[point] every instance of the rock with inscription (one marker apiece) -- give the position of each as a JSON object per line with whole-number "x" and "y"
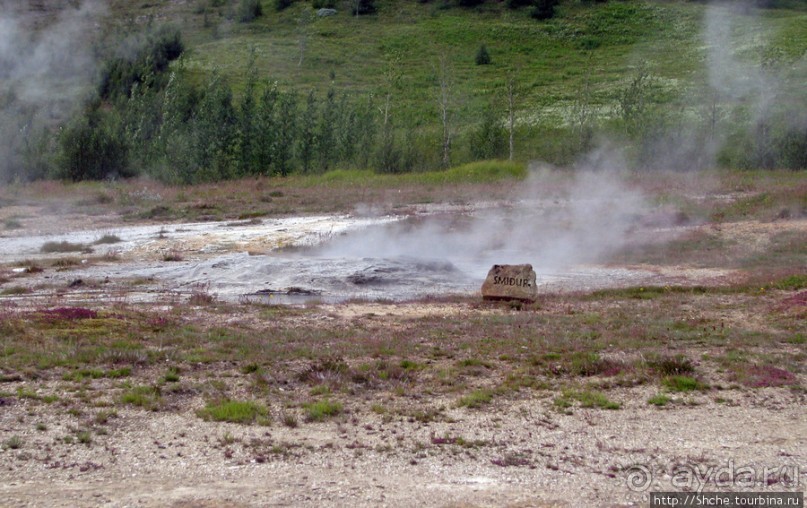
{"x": 510, "y": 282}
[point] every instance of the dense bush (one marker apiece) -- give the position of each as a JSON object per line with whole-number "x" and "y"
{"x": 362, "y": 7}
{"x": 151, "y": 57}
{"x": 488, "y": 140}
{"x": 282, "y": 4}
{"x": 93, "y": 149}
{"x": 482, "y": 56}
{"x": 249, "y": 10}
{"x": 543, "y": 9}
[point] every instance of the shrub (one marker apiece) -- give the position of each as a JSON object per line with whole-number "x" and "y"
{"x": 482, "y": 56}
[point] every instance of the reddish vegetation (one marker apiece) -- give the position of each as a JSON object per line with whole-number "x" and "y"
{"x": 762, "y": 376}
{"x": 796, "y": 300}
{"x": 68, "y": 314}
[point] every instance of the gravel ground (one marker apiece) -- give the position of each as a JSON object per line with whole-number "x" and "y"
{"x": 518, "y": 453}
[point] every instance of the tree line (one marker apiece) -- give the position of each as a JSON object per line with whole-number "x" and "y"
{"x": 147, "y": 116}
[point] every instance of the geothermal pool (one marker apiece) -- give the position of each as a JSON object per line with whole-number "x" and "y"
{"x": 332, "y": 258}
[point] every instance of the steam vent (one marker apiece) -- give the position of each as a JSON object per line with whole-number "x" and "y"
{"x": 510, "y": 282}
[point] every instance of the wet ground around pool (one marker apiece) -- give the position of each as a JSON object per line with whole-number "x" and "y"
{"x": 437, "y": 252}
{"x": 333, "y": 258}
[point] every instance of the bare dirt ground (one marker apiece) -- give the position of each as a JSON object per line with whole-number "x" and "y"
{"x": 443, "y": 400}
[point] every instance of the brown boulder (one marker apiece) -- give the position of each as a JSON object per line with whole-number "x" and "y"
{"x": 510, "y": 282}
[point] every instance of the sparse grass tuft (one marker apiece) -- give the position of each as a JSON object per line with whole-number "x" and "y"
{"x": 319, "y": 390}
{"x": 797, "y": 339}
{"x": 13, "y": 443}
{"x": 590, "y": 364}
{"x": 84, "y": 437}
{"x": 15, "y": 290}
{"x": 12, "y": 223}
{"x": 791, "y": 283}
{"x": 321, "y": 410}
{"x": 81, "y": 374}
{"x": 64, "y": 246}
{"x": 62, "y": 264}
{"x": 513, "y": 459}
{"x": 586, "y": 398}
{"x": 332, "y": 370}
{"x": 683, "y": 384}
{"x": 476, "y": 399}
{"x": 200, "y": 295}
{"x": 235, "y": 411}
{"x": 147, "y": 397}
{"x": 250, "y": 368}
{"x": 108, "y": 239}
{"x": 172, "y": 376}
{"x": 103, "y": 417}
{"x": 671, "y": 365}
{"x": 172, "y": 256}
{"x": 589, "y": 399}
{"x": 28, "y": 393}
{"x": 659, "y": 400}
{"x": 289, "y": 420}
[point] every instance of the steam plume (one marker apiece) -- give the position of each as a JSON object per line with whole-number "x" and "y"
{"x": 46, "y": 64}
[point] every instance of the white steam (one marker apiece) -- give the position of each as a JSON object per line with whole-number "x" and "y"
{"x": 46, "y": 64}
{"x": 583, "y": 219}
{"x": 730, "y": 76}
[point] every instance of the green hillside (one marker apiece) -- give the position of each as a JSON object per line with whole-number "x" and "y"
{"x": 599, "y": 42}
{"x": 631, "y": 71}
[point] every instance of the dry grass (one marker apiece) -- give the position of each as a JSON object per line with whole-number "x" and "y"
{"x": 477, "y": 359}
{"x": 64, "y": 246}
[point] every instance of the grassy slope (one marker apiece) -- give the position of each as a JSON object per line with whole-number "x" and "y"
{"x": 602, "y": 43}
